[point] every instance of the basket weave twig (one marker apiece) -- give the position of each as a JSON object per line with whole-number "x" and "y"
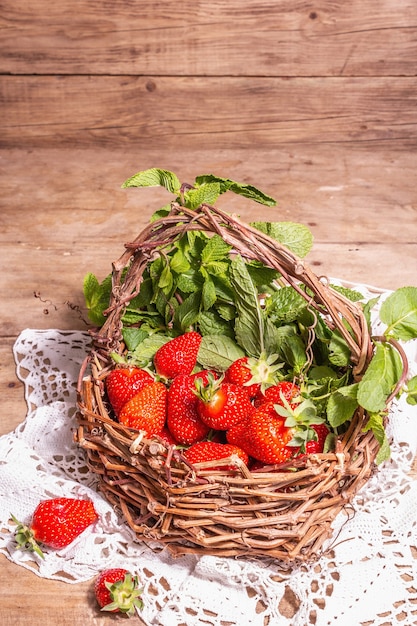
{"x": 285, "y": 514}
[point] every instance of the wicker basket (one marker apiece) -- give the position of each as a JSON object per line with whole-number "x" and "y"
{"x": 285, "y": 514}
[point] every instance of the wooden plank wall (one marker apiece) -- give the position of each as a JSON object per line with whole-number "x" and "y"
{"x": 219, "y": 73}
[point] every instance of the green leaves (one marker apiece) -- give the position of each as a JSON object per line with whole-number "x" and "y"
{"x": 296, "y": 237}
{"x": 241, "y": 189}
{"x": 154, "y": 177}
{"x": 380, "y": 378}
{"x": 399, "y": 312}
{"x": 249, "y": 325}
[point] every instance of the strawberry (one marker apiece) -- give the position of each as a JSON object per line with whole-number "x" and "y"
{"x": 220, "y": 404}
{"x": 204, "y": 451}
{"x": 284, "y": 390}
{"x": 239, "y": 373}
{"x": 177, "y": 356}
{"x": 254, "y": 374}
{"x": 147, "y": 409}
{"x": 316, "y": 445}
{"x": 117, "y": 591}
{"x": 267, "y": 437}
{"x": 183, "y": 420}
{"x": 263, "y": 435}
{"x": 55, "y": 523}
{"x": 123, "y": 383}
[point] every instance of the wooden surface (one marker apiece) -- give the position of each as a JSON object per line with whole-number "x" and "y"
{"x": 313, "y": 102}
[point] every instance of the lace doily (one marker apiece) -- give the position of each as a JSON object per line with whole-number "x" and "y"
{"x": 368, "y": 577}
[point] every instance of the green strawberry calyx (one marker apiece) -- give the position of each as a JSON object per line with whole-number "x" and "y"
{"x": 25, "y": 538}
{"x": 125, "y": 595}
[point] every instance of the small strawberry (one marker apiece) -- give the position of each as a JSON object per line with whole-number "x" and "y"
{"x": 177, "y": 356}
{"x": 147, "y": 409}
{"x": 123, "y": 383}
{"x": 220, "y": 404}
{"x": 316, "y": 446}
{"x": 55, "y": 523}
{"x": 284, "y": 390}
{"x": 204, "y": 451}
{"x": 254, "y": 374}
{"x": 117, "y": 591}
{"x": 183, "y": 420}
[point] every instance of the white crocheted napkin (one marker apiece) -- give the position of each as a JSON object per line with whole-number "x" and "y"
{"x": 368, "y": 579}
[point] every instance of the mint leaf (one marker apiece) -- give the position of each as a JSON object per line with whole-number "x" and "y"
{"x": 241, "y": 189}
{"x": 154, "y": 177}
{"x": 133, "y": 337}
{"x": 411, "y": 391}
{"x": 341, "y": 405}
{"x": 399, "y": 312}
{"x": 218, "y": 352}
{"x": 249, "y": 324}
{"x": 296, "y": 237}
{"x": 284, "y": 305}
{"x": 376, "y": 424}
{"x": 206, "y": 194}
{"x": 145, "y": 350}
{"x": 382, "y": 374}
{"x": 216, "y": 249}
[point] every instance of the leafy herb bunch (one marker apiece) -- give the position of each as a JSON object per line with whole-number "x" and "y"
{"x": 205, "y": 279}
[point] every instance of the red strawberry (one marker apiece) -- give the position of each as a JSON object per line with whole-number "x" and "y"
{"x": 276, "y": 393}
{"x": 123, "y": 383}
{"x": 55, "y": 523}
{"x": 117, "y": 591}
{"x": 177, "y": 356}
{"x": 147, "y": 409}
{"x": 183, "y": 420}
{"x": 220, "y": 405}
{"x": 254, "y": 374}
{"x": 316, "y": 446}
{"x": 239, "y": 373}
{"x": 264, "y": 436}
{"x": 211, "y": 451}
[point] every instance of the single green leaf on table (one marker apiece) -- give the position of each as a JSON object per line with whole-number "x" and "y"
{"x": 241, "y": 189}
{"x": 218, "y": 352}
{"x": 296, "y": 237}
{"x": 249, "y": 324}
{"x": 380, "y": 378}
{"x": 399, "y": 312}
{"x": 154, "y": 177}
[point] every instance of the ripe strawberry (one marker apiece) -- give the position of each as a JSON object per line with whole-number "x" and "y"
{"x": 254, "y": 374}
{"x": 284, "y": 390}
{"x": 239, "y": 373}
{"x": 183, "y": 420}
{"x": 123, "y": 383}
{"x": 55, "y": 523}
{"x": 177, "y": 356}
{"x": 264, "y": 436}
{"x": 211, "y": 451}
{"x": 147, "y": 409}
{"x": 220, "y": 404}
{"x": 269, "y": 436}
{"x": 117, "y": 591}
{"x": 316, "y": 446}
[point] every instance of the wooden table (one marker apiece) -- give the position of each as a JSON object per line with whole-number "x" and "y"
{"x": 63, "y": 214}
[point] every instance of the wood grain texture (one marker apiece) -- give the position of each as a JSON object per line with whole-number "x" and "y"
{"x": 205, "y": 112}
{"x": 216, "y": 38}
